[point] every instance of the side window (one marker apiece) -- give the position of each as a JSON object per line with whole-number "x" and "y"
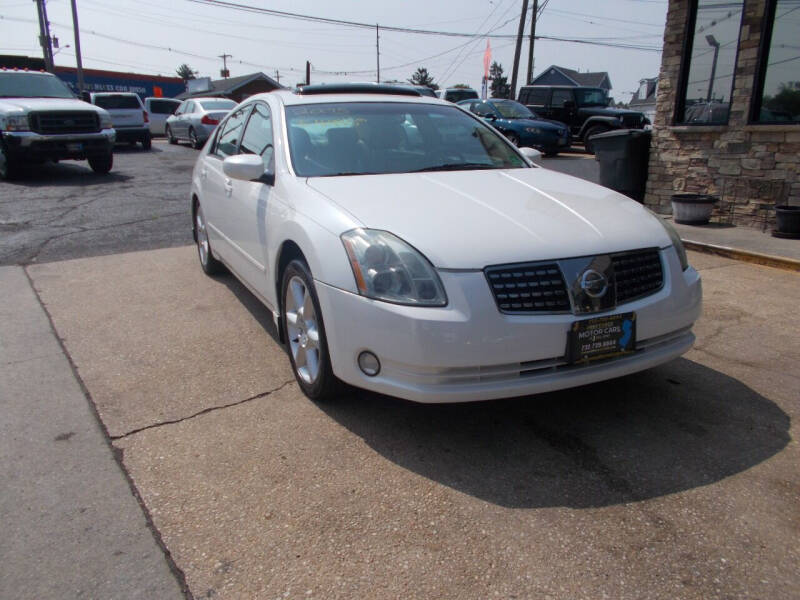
{"x": 231, "y": 132}
{"x": 482, "y": 109}
{"x": 561, "y": 97}
{"x": 537, "y": 97}
{"x": 189, "y": 107}
{"x": 257, "y": 138}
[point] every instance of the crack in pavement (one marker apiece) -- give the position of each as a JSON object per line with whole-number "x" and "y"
{"x": 205, "y": 411}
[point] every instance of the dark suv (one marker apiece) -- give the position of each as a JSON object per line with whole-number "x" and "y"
{"x": 584, "y": 109}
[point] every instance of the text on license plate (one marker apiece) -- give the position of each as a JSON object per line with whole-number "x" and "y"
{"x": 602, "y": 337}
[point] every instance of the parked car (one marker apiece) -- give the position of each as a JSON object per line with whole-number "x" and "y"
{"x": 585, "y": 110}
{"x": 196, "y": 119}
{"x": 128, "y": 115}
{"x": 521, "y": 126}
{"x": 457, "y": 94}
{"x": 447, "y": 267}
{"x": 159, "y": 109}
{"x": 41, "y": 119}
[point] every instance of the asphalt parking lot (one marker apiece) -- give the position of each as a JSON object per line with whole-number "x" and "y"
{"x": 679, "y": 482}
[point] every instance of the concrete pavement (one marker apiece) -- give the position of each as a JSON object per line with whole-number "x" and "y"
{"x": 71, "y": 526}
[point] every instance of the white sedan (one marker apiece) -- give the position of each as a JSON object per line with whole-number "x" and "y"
{"x": 405, "y": 247}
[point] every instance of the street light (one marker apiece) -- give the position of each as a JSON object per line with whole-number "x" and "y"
{"x": 712, "y": 41}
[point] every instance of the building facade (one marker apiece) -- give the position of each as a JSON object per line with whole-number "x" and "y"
{"x": 727, "y": 116}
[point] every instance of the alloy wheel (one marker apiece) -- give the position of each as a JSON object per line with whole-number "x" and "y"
{"x": 302, "y": 329}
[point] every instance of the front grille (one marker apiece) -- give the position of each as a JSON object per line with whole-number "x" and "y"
{"x": 638, "y": 274}
{"x": 54, "y": 123}
{"x": 528, "y": 288}
{"x": 632, "y": 121}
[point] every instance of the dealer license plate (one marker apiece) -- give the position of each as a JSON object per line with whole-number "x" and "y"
{"x": 602, "y": 337}
{"x": 75, "y": 147}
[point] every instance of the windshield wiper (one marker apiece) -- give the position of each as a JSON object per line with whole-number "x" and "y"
{"x": 456, "y": 167}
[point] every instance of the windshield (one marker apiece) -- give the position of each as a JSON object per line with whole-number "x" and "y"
{"x": 117, "y": 101}
{"x": 594, "y": 97}
{"x": 513, "y": 110}
{"x": 360, "y": 138}
{"x": 32, "y": 85}
{"x": 217, "y": 104}
{"x": 459, "y": 95}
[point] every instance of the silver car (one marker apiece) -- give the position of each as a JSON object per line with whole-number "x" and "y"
{"x": 196, "y": 119}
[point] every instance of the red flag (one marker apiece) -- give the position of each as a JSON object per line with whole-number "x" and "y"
{"x": 487, "y": 59}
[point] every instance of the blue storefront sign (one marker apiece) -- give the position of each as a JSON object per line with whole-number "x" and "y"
{"x": 107, "y": 81}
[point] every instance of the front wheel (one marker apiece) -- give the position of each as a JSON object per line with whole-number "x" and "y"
{"x": 209, "y": 264}
{"x": 304, "y": 332}
{"x": 9, "y": 168}
{"x": 102, "y": 164}
{"x": 147, "y": 142}
{"x": 587, "y": 142}
{"x": 170, "y": 138}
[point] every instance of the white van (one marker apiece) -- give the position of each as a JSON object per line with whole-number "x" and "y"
{"x": 159, "y": 109}
{"x": 127, "y": 114}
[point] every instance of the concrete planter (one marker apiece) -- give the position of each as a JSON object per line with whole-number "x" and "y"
{"x": 787, "y": 221}
{"x": 692, "y": 209}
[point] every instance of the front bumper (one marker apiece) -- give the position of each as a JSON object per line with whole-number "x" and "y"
{"x": 469, "y": 351}
{"x": 27, "y": 146}
{"x": 132, "y": 134}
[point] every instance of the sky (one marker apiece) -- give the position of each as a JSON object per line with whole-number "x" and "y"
{"x": 155, "y": 37}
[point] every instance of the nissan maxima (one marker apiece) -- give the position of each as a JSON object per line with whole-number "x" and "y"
{"x": 405, "y": 247}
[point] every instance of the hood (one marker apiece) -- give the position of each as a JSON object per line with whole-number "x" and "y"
{"x": 607, "y": 112}
{"x": 44, "y": 104}
{"x": 471, "y": 219}
{"x": 540, "y": 123}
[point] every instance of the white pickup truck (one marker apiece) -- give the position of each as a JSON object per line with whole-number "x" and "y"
{"x": 41, "y": 119}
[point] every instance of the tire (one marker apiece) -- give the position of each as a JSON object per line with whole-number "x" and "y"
{"x": 196, "y": 144}
{"x": 9, "y": 167}
{"x": 170, "y": 138}
{"x": 589, "y": 133}
{"x": 147, "y": 143}
{"x": 209, "y": 264}
{"x": 304, "y": 332}
{"x": 513, "y": 138}
{"x": 102, "y": 164}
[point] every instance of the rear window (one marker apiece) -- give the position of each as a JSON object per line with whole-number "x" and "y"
{"x": 459, "y": 95}
{"x": 217, "y": 104}
{"x": 112, "y": 102}
{"x": 534, "y": 96}
{"x": 163, "y": 107}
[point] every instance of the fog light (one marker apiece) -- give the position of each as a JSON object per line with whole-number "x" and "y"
{"x": 369, "y": 363}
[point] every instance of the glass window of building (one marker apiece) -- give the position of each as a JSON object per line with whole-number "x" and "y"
{"x": 778, "y": 97}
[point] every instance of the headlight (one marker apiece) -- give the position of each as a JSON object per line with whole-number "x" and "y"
{"x": 386, "y": 268}
{"x": 17, "y": 123}
{"x": 676, "y": 241}
{"x": 105, "y": 121}
{"x": 533, "y": 130}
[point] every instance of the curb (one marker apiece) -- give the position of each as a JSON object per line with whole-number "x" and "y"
{"x": 767, "y": 260}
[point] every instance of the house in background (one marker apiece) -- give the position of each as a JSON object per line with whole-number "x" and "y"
{"x": 235, "y": 88}
{"x": 555, "y": 75}
{"x": 728, "y": 107}
{"x": 644, "y": 100}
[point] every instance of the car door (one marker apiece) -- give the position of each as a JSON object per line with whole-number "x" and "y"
{"x": 563, "y": 107}
{"x": 185, "y": 119}
{"x": 218, "y": 187}
{"x": 249, "y": 201}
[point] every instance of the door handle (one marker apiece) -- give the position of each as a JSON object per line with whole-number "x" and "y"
{"x": 228, "y": 186}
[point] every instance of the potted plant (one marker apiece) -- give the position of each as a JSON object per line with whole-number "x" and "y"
{"x": 692, "y": 209}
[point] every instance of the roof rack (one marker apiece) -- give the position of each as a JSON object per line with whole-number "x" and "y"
{"x": 355, "y": 88}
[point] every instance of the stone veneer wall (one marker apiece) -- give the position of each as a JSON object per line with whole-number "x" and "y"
{"x": 751, "y": 167}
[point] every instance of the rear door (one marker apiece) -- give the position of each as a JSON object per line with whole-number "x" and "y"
{"x": 126, "y": 110}
{"x": 564, "y": 108}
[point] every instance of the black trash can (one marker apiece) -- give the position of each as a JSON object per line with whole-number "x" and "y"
{"x": 623, "y": 155}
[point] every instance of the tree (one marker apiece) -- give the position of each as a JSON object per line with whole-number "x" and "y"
{"x": 185, "y": 72}
{"x": 499, "y": 86}
{"x": 422, "y": 77}
{"x": 786, "y": 103}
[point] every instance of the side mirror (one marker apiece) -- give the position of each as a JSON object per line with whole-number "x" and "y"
{"x": 247, "y": 167}
{"x": 532, "y": 155}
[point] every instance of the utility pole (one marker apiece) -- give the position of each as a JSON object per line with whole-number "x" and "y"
{"x": 44, "y": 36}
{"x": 308, "y": 72}
{"x": 378, "y": 49}
{"x": 225, "y": 73}
{"x": 278, "y": 76}
{"x": 77, "y": 34}
{"x": 518, "y": 49}
{"x": 534, "y": 17}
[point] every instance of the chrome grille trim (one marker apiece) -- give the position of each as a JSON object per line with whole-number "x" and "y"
{"x": 59, "y": 122}
{"x": 528, "y": 288}
{"x": 638, "y": 274}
